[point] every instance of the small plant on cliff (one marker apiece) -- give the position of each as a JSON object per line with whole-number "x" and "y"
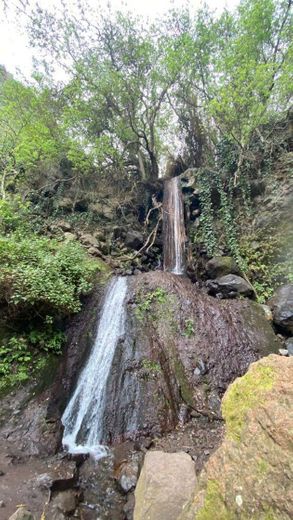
{"x": 152, "y": 368}
{"x": 159, "y": 295}
{"x": 189, "y": 329}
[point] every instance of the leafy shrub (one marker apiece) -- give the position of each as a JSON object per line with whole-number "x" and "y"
{"x": 266, "y": 268}
{"x": 12, "y": 214}
{"x": 189, "y": 329}
{"x": 21, "y": 355}
{"x": 41, "y": 274}
{"x": 41, "y": 282}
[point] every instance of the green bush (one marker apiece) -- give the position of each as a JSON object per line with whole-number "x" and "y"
{"x": 21, "y": 356}
{"x": 41, "y": 283}
{"x": 41, "y": 274}
{"x": 13, "y": 214}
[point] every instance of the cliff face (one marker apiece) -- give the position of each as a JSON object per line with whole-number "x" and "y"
{"x": 180, "y": 351}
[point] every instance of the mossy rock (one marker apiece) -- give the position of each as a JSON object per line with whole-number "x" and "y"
{"x": 244, "y": 394}
{"x": 250, "y": 476}
{"x": 221, "y": 266}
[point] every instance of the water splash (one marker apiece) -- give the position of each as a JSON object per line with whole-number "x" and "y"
{"x": 173, "y": 227}
{"x": 83, "y": 416}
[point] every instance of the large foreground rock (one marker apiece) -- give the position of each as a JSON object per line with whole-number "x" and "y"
{"x": 165, "y": 485}
{"x": 282, "y": 307}
{"x": 250, "y": 476}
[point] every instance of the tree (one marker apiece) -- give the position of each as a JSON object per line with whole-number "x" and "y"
{"x": 120, "y": 79}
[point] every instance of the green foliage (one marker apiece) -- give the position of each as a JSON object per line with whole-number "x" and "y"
{"x": 152, "y": 368}
{"x": 41, "y": 283}
{"x": 207, "y": 230}
{"x": 189, "y": 328}
{"x": 22, "y": 356}
{"x": 42, "y": 275}
{"x": 267, "y": 267}
{"x": 211, "y": 182}
{"x": 159, "y": 295}
{"x": 13, "y": 214}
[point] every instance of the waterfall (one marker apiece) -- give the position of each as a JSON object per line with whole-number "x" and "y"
{"x": 83, "y": 416}
{"x": 173, "y": 227}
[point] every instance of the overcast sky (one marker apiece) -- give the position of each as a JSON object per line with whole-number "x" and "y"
{"x": 15, "y": 53}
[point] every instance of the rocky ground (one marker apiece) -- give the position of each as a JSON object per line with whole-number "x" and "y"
{"x": 61, "y": 487}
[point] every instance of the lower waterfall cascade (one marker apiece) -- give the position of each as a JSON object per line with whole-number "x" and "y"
{"x": 83, "y": 416}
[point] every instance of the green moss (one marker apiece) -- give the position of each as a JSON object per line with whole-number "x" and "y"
{"x": 270, "y": 515}
{"x": 262, "y": 467}
{"x": 245, "y": 393}
{"x": 214, "y": 507}
{"x": 185, "y": 390}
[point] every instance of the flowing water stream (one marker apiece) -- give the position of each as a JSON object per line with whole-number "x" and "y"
{"x": 83, "y": 416}
{"x": 173, "y": 227}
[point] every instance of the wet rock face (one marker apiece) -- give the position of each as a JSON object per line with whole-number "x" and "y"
{"x": 180, "y": 351}
{"x": 165, "y": 485}
{"x": 250, "y": 475}
{"x": 282, "y": 307}
{"x": 23, "y": 429}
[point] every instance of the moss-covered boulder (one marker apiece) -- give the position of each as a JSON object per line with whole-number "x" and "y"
{"x": 250, "y": 476}
{"x": 221, "y": 265}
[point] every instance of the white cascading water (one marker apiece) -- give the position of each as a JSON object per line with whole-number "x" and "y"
{"x": 83, "y": 416}
{"x": 179, "y": 266}
{"x": 174, "y": 228}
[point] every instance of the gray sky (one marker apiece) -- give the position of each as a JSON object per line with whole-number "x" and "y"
{"x": 14, "y": 50}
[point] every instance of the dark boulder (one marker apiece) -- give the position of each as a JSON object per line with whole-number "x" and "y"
{"x": 134, "y": 240}
{"x": 221, "y": 266}
{"x": 230, "y": 286}
{"x": 282, "y": 308}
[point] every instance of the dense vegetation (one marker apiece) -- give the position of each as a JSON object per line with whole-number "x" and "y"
{"x": 200, "y": 91}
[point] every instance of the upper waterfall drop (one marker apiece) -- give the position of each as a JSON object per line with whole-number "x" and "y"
{"x": 83, "y": 416}
{"x": 174, "y": 227}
